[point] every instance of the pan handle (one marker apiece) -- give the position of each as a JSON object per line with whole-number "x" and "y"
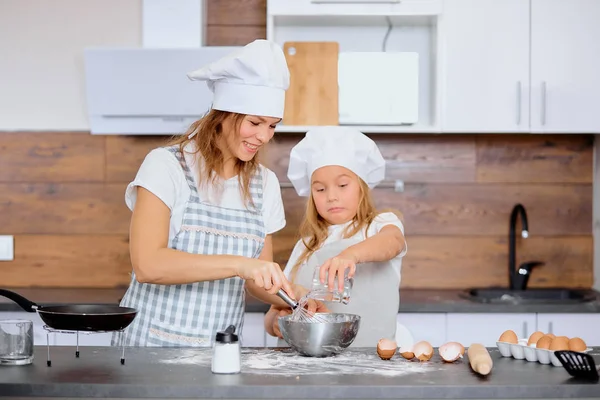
{"x": 25, "y": 304}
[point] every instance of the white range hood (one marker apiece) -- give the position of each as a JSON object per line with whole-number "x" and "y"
{"x": 146, "y": 90}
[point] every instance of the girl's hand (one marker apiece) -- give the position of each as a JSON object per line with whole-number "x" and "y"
{"x": 265, "y": 274}
{"x": 337, "y": 265}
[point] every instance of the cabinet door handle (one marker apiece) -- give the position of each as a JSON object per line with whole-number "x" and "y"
{"x": 550, "y": 327}
{"x": 525, "y": 329}
{"x": 519, "y": 103}
{"x": 543, "y": 116}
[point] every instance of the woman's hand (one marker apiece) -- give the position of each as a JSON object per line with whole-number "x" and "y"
{"x": 337, "y": 266}
{"x": 265, "y": 274}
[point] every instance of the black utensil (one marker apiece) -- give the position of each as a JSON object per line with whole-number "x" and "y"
{"x": 578, "y": 365}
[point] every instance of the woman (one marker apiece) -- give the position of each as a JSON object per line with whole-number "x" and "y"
{"x": 204, "y": 210}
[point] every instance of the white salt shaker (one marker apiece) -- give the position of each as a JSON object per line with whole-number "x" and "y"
{"x": 226, "y": 353}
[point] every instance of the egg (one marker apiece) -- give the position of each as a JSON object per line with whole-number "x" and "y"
{"x": 423, "y": 350}
{"x": 451, "y": 351}
{"x": 508, "y": 337}
{"x": 552, "y": 335}
{"x": 407, "y": 352}
{"x": 559, "y": 343}
{"x": 577, "y": 344}
{"x": 386, "y": 348}
{"x": 535, "y": 336}
{"x": 544, "y": 342}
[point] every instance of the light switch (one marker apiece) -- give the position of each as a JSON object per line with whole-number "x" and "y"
{"x": 7, "y": 246}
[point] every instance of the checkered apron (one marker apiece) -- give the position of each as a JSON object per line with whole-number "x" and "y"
{"x": 190, "y": 315}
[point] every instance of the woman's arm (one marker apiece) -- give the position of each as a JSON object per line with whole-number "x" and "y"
{"x": 267, "y": 255}
{"x": 154, "y": 262}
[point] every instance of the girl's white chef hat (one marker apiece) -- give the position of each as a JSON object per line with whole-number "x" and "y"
{"x": 335, "y": 145}
{"x": 251, "y": 80}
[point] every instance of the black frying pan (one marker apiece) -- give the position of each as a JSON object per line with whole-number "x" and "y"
{"x": 77, "y": 317}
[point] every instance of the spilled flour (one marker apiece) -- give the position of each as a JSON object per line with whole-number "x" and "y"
{"x": 286, "y": 362}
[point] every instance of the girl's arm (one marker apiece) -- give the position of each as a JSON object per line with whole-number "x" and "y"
{"x": 154, "y": 262}
{"x": 383, "y": 246}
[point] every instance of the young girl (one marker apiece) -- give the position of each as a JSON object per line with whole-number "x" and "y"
{"x": 336, "y": 167}
{"x": 204, "y": 209}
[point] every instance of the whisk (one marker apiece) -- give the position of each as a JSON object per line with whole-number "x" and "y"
{"x": 300, "y": 314}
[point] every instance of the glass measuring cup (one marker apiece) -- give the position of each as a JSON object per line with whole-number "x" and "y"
{"x": 16, "y": 342}
{"x": 322, "y": 292}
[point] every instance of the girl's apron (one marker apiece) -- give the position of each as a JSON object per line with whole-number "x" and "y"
{"x": 374, "y": 296}
{"x": 191, "y": 314}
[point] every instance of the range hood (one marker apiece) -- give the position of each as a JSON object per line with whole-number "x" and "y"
{"x": 146, "y": 91}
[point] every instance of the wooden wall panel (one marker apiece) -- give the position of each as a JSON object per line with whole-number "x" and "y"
{"x": 236, "y": 13}
{"x": 125, "y": 154}
{"x": 63, "y": 208}
{"x": 477, "y": 261}
{"x": 68, "y": 261}
{"x": 463, "y": 209}
{"x": 225, "y": 35}
{"x": 56, "y": 157}
{"x": 561, "y": 158}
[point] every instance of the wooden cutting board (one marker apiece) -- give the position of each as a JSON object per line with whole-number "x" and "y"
{"x": 312, "y": 98}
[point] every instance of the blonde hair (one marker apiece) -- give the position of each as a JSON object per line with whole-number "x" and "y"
{"x": 314, "y": 228}
{"x": 208, "y": 132}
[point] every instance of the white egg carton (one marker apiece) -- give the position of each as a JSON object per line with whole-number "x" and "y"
{"x": 521, "y": 351}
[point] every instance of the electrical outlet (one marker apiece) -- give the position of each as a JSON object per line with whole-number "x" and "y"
{"x": 7, "y": 245}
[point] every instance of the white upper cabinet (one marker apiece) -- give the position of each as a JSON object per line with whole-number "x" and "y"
{"x": 565, "y": 65}
{"x": 521, "y": 66}
{"x": 486, "y": 66}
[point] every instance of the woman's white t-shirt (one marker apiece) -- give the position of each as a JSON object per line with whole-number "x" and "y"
{"x": 336, "y": 233}
{"x": 161, "y": 174}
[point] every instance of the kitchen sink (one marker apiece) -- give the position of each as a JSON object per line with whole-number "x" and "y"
{"x": 535, "y": 295}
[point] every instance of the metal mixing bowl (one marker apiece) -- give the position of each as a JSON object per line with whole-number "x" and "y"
{"x": 320, "y": 339}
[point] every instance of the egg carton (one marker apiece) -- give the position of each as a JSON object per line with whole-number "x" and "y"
{"x": 521, "y": 351}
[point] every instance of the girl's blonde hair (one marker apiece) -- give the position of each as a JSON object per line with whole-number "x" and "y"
{"x": 314, "y": 228}
{"x": 208, "y": 132}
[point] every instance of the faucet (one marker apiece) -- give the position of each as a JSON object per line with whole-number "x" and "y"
{"x": 518, "y": 278}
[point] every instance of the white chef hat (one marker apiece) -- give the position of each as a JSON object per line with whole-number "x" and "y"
{"x": 335, "y": 145}
{"x": 251, "y": 80}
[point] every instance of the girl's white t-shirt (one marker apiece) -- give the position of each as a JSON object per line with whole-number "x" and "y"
{"x": 161, "y": 174}
{"x": 336, "y": 231}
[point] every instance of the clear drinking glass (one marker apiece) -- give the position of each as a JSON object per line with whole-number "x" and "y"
{"x": 16, "y": 341}
{"x": 320, "y": 291}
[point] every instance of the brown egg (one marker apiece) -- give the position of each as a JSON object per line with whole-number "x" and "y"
{"x": 406, "y": 352}
{"x": 451, "y": 351}
{"x": 552, "y": 335}
{"x": 508, "y": 337}
{"x": 577, "y": 344}
{"x": 386, "y": 348}
{"x": 535, "y": 336}
{"x": 544, "y": 342}
{"x": 423, "y": 350}
{"x": 559, "y": 343}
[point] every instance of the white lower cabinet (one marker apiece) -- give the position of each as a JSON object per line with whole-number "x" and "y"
{"x": 487, "y": 328}
{"x": 424, "y": 326}
{"x": 585, "y": 326}
{"x": 253, "y": 333}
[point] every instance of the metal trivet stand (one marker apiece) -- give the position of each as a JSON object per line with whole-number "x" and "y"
{"x": 52, "y": 330}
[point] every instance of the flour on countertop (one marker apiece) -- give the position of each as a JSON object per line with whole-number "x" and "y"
{"x": 286, "y": 362}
